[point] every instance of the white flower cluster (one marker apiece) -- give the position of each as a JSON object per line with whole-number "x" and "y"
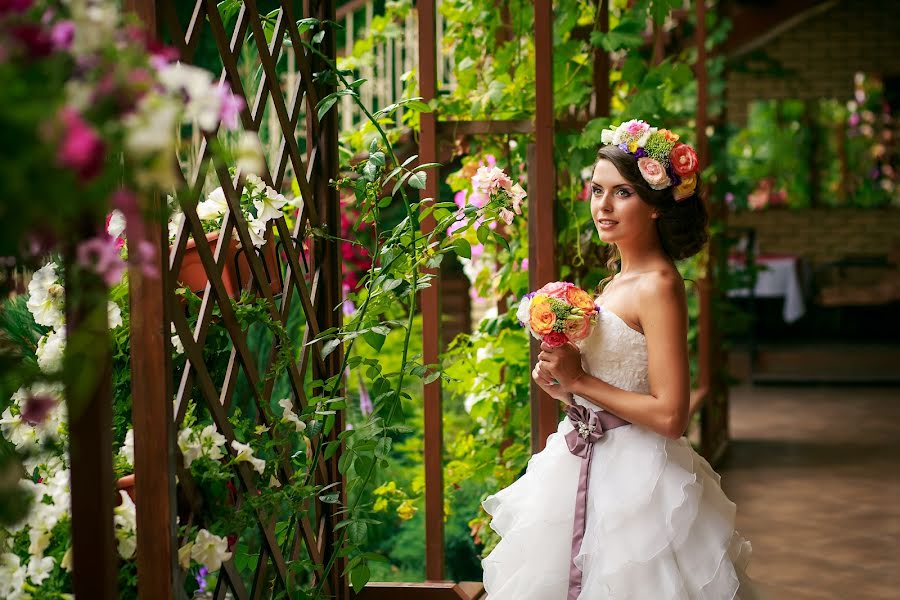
{"x": 266, "y": 201}
{"x": 207, "y": 442}
{"x": 207, "y": 549}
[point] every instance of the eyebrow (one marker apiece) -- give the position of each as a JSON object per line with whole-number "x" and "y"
{"x": 618, "y": 185}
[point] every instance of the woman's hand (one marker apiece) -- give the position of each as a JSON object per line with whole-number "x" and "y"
{"x": 562, "y": 363}
{"x": 545, "y": 382}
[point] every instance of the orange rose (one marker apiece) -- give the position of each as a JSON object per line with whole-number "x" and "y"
{"x": 542, "y": 317}
{"x": 578, "y": 298}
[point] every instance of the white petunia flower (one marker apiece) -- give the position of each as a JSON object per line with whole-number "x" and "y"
{"x": 210, "y": 550}
{"x": 212, "y": 442}
{"x": 46, "y": 297}
{"x": 184, "y": 555}
{"x": 245, "y": 454}
{"x": 12, "y": 577}
{"x": 289, "y": 416}
{"x": 66, "y": 562}
{"x": 125, "y": 522}
{"x": 116, "y": 226}
{"x": 150, "y": 129}
{"x": 269, "y": 207}
{"x": 50, "y": 349}
{"x": 189, "y": 444}
{"x": 257, "y": 232}
{"x": 39, "y": 569}
{"x": 176, "y": 341}
{"x": 113, "y": 315}
{"x": 127, "y": 449}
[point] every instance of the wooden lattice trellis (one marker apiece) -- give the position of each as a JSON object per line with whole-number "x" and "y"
{"x": 308, "y": 272}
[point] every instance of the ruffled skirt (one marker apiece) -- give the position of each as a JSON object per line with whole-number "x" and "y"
{"x": 659, "y": 526}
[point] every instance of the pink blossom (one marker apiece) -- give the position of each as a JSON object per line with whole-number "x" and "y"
{"x": 62, "y": 35}
{"x": 145, "y": 259}
{"x": 478, "y": 199}
{"x": 489, "y": 179}
{"x": 507, "y": 215}
{"x": 460, "y": 198}
{"x": 230, "y": 106}
{"x": 477, "y": 250}
{"x": 99, "y": 254}
{"x": 120, "y": 241}
{"x": 524, "y": 264}
{"x": 459, "y": 224}
{"x": 81, "y": 148}
{"x": 556, "y": 289}
{"x": 491, "y": 161}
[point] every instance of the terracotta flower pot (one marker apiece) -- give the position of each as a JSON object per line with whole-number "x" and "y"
{"x": 234, "y": 276}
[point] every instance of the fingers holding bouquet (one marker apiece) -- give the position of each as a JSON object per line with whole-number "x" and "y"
{"x": 558, "y": 314}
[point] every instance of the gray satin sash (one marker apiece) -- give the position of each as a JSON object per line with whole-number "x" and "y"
{"x": 589, "y": 427}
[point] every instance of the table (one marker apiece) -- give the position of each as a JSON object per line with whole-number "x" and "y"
{"x": 781, "y": 275}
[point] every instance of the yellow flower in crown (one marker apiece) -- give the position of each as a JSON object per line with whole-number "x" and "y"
{"x": 669, "y": 136}
{"x": 685, "y": 188}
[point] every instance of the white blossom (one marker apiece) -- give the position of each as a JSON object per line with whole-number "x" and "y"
{"x": 39, "y": 568}
{"x": 46, "y": 297}
{"x": 116, "y": 226}
{"x": 184, "y": 555}
{"x": 210, "y": 550}
{"x": 12, "y": 577}
{"x": 127, "y": 449}
{"x": 245, "y": 454}
{"x": 257, "y": 232}
{"x": 269, "y": 207}
{"x": 49, "y": 351}
{"x": 289, "y": 416}
{"x": 176, "y": 341}
{"x": 522, "y": 313}
{"x": 212, "y": 442}
{"x": 125, "y": 522}
{"x": 113, "y": 315}
{"x": 249, "y": 153}
{"x": 150, "y": 129}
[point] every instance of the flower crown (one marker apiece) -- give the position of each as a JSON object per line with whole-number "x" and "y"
{"x": 662, "y": 160}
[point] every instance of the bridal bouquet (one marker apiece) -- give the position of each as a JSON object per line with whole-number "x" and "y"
{"x": 557, "y": 313}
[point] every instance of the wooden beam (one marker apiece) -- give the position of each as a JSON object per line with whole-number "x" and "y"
{"x": 600, "y": 98}
{"x": 464, "y": 590}
{"x": 542, "y": 206}
{"x": 431, "y": 305}
{"x": 454, "y": 129}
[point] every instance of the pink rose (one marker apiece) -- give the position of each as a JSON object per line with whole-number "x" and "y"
{"x": 555, "y": 339}
{"x": 654, "y": 173}
{"x": 684, "y": 160}
{"x": 81, "y": 148}
{"x": 578, "y": 330}
{"x": 556, "y": 289}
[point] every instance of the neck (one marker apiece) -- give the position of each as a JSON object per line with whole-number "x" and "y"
{"x": 641, "y": 255}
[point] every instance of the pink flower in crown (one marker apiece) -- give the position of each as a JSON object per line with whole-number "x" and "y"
{"x": 556, "y": 289}
{"x": 654, "y": 173}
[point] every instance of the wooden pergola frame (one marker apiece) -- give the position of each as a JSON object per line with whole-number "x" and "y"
{"x": 153, "y": 414}
{"x": 542, "y": 268}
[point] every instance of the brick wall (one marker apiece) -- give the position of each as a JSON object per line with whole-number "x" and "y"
{"x": 824, "y": 51}
{"x": 823, "y": 234}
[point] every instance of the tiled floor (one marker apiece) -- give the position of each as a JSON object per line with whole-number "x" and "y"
{"x": 815, "y": 472}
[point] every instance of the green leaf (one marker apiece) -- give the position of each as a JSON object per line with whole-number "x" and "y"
{"x": 333, "y": 498}
{"x": 483, "y": 232}
{"x": 627, "y": 34}
{"x": 357, "y": 531}
{"x": 500, "y": 239}
{"x": 383, "y": 449}
{"x": 325, "y": 105}
{"x": 359, "y": 577}
{"x": 374, "y": 340}
{"x": 417, "y": 180}
{"x": 329, "y": 347}
{"x": 462, "y": 247}
{"x": 331, "y": 448}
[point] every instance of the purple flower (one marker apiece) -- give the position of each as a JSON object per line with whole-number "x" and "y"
{"x": 529, "y": 295}
{"x": 639, "y": 153}
{"x": 365, "y": 401}
{"x": 729, "y": 198}
{"x": 524, "y": 264}
{"x": 62, "y": 35}
{"x": 853, "y": 120}
{"x": 81, "y": 148}
{"x": 36, "y": 408}
{"x": 145, "y": 259}
{"x": 624, "y": 147}
{"x": 99, "y": 254}
{"x": 201, "y": 578}
{"x": 230, "y": 108}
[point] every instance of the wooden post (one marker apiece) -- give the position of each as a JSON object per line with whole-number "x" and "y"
{"x": 88, "y": 390}
{"x": 151, "y": 412}
{"x": 542, "y": 206}
{"x": 431, "y": 308}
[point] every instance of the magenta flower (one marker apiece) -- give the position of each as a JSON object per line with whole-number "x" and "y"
{"x": 99, "y": 254}
{"x": 7, "y": 6}
{"x": 524, "y": 264}
{"x": 36, "y": 408}
{"x": 62, "y": 35}
{"x": 81, "y": 148}
{"x": 231, "y": 106}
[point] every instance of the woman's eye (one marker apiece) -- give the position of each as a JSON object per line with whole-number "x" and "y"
{"x": 624, "y": 193}
{"x": 597, "y": 191}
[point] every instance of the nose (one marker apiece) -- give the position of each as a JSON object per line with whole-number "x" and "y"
{"x": 605, "y": 201}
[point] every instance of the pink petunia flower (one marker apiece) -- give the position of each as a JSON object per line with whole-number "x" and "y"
{"x": 81, "y": 148}
{"x": 230, "y": 106}
{"x": 99, "y": 254}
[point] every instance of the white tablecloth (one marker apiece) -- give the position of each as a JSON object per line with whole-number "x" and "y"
{"x": 779, "y": 276}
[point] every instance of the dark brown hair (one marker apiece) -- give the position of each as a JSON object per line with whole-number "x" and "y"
{"x": 682, "y": 226}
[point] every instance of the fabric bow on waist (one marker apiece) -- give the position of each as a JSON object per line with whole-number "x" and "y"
{"x": 589, "y": 427}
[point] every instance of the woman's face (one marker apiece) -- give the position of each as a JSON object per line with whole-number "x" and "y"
{"x": 619, "y": 213}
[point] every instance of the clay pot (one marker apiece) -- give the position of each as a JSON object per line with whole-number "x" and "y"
{"x": 193, "y": 275}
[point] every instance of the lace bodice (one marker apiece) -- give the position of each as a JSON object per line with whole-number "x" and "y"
{"x": 616, "y": 354}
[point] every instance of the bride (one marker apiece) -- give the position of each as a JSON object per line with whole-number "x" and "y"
{"x": 618, "y": 505}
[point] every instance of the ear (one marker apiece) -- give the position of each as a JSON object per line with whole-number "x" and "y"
{"x": 654, "y": 215}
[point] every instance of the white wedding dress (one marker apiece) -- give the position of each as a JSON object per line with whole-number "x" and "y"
{"x": 659, "y": 526}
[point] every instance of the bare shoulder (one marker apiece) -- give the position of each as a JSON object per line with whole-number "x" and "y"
{"x": 661, "y": 295}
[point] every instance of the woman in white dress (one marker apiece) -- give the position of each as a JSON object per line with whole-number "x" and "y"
{"x": 653, "y": 522}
